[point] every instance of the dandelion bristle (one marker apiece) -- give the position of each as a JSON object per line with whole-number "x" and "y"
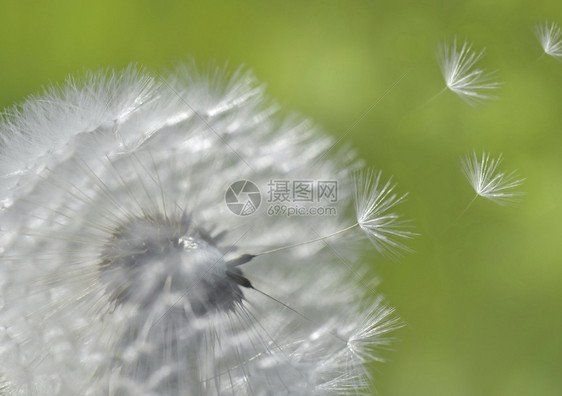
{"x": 550, "y": 38}
{"x": 374, "y": 201}
{"x": 458, "y": 67}
{"x": 487, "y": 181}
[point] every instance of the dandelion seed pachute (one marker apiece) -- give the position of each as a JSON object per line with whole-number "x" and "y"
{"x": 374, "y": 202}
{"x": 488, "y": 181}
{"x": 550, "y": 38}
{"x": 458, "y": 65}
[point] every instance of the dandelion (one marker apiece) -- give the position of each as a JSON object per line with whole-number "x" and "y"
{"x": 487, "y": 181}
{"x": 550, "y": 37}
{"x": 458, "y": 67}
{"x": 124, "y": 272}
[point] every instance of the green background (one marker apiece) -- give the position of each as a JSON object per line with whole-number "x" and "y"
{"x": 482, "y": 294}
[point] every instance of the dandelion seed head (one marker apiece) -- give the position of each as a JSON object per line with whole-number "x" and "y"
{"x": 550, "y": 38}
{"x": 123, "y": 271}
{"x": 160, "y": 253}
{"x": 458, "y": 67}
{"x": 487, "y": 181}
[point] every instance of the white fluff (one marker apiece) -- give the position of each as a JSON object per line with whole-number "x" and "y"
{"x": 550, "y": 37}
{"x": 458, "y": 67}
{"x": 374, "y": 201}
{"x": 487, "y": 181}
{"x": 114, "y": 265}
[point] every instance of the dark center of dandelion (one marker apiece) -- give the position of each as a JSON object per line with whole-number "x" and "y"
{"x": 155, "y": 260}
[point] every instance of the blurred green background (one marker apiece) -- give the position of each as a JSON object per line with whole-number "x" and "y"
{"x": 481, "y": 295}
